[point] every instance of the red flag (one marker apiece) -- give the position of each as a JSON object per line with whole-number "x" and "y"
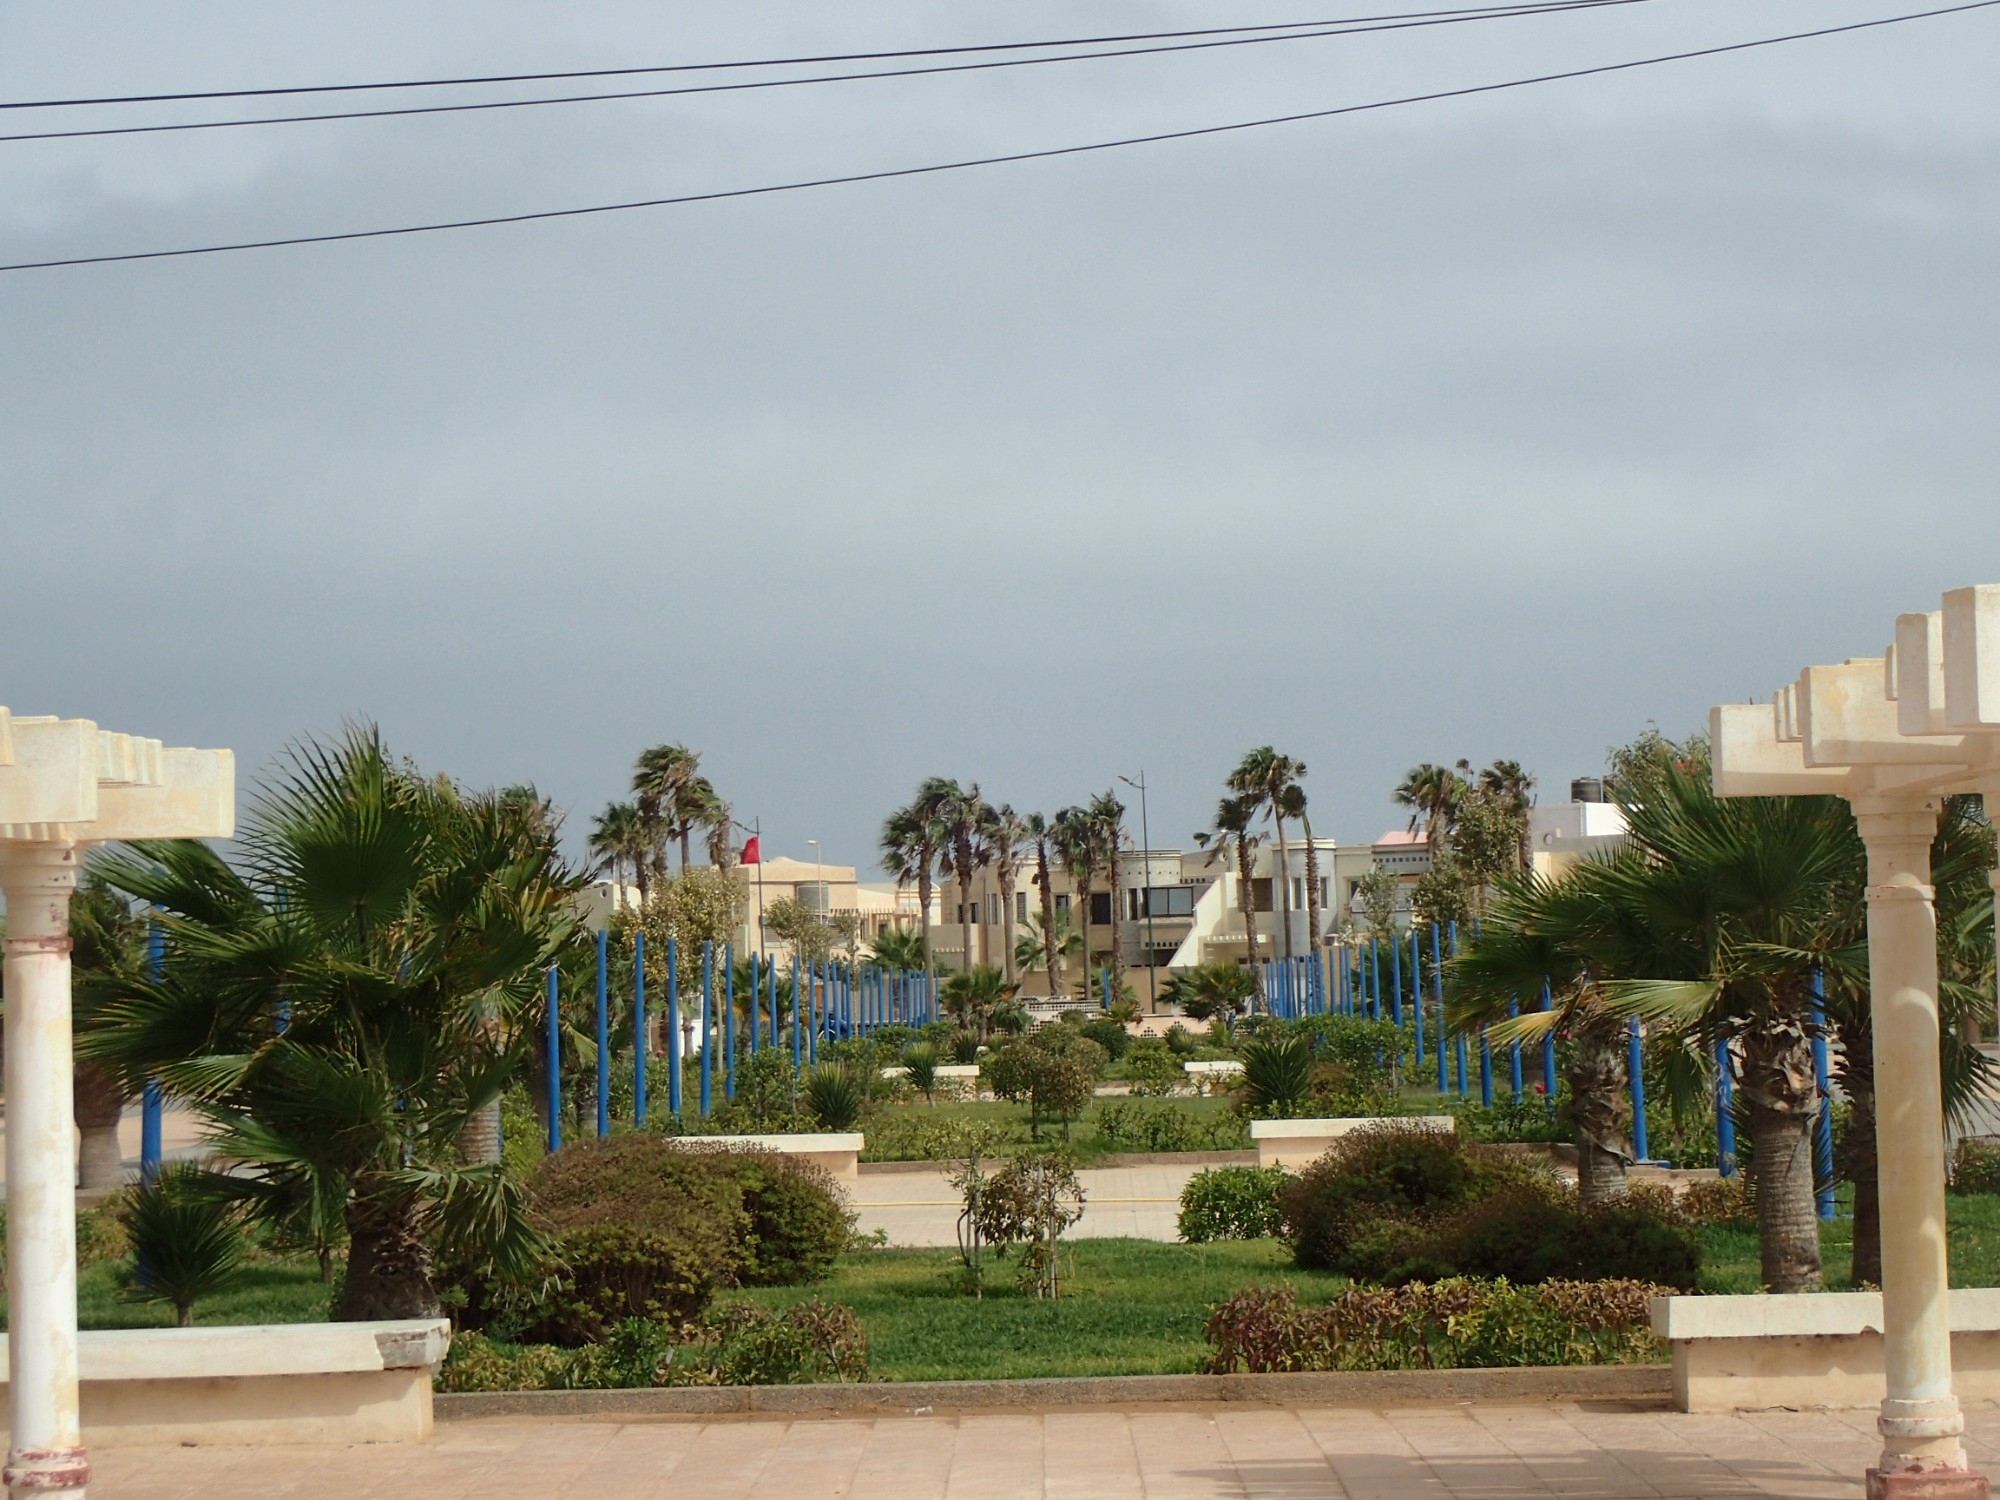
{"x": 750, "y": 852}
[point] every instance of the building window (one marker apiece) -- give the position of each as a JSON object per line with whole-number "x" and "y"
{"x": 1169, "y": 901}
{"x": 1298, "y": 893}
{"x": 1020, "y": 906}
{"x": 1062, "y": 902}
{"x": 1260, "y": 893}
{"x": 1100, "y": 908}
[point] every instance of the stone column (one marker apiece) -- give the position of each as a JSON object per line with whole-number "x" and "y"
{"x": 1920, "y": 1421}
{"x": 45, "y": 1458}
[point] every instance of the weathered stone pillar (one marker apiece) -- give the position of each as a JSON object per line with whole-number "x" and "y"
{"x": 45, "y": 1457}
{"x": 1920, "y": 1421}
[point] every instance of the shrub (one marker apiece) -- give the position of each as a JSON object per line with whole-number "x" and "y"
{"x": 100, "y": 1231}
{"x": 1455, "y": 1323}
{"x": 186, "y": 1239}
{"x": 1975, "y": 1166}
{"x": 1232, "y": 1203}
{"x": 1723, "y": 1200}
{"x": 1159, "y": 1125}
{"x": 1152, "y": 1067}
{"x": 920, "y": 1066}
{"x": 1378, "y": 1173}
{"x": 1110, "y": 1035}
{"x": 1277, "y": 1075}
{"x": 835, "y": 1095}
{"x": 1052, "y": 1071}
{"x": 798, "y": 1220}
{"x": 964, "y": 1047}
{"x": 1030, "y": 1201}
{"x": 477, "y": 1363}
{"x": 1180, "y": 1041}
{"x": 810, "y": 1341}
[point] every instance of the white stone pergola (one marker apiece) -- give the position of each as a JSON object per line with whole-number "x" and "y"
{"x": 1892, "y": 735}
{"x": 65, "y": 785}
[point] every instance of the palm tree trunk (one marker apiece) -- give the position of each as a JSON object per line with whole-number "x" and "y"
{"x": 1780, "y": 1096}
{"x": 1007, "y": 922}
{"x": 1283, "y": 905}
{"x": 1312, "y": 885}
{"x": 1597, "y": 1108}
{"x": 1860, "y": 1163}
{"x": 1246, "y": 898}
{"x": 1117, "y": 990}
{"x": 479, "y": 1140}
{"x": 1049, "y": 955}
{"x": 99, "y": 1103}
{"x": 687, "y": 828}
{"x": 924, "y": 893}
{"x": 965, "y": 911}
{"x": 388, "y": 1268}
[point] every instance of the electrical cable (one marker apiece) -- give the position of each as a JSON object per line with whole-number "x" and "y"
{"x": 1557, "y": 7}
{"x": 1043, "y": 154}
{"x": 775, "y": 62}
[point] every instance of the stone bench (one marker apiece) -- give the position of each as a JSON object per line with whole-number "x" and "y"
{"x": 838, "y": 1151}
{"x": 259, "y": 1383}
{"x": 1293, "y": 1143}
{"x": 1810, "y": 1349}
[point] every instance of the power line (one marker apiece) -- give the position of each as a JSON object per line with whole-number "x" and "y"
{"x": 1554, "y": 7}
{"x": 1016, "y": 156}
{"x": 770, "y": 62}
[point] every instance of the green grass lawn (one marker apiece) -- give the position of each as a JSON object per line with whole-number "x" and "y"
{"x": 1132, "y": 1307}
{"x": 271, "y": 1289}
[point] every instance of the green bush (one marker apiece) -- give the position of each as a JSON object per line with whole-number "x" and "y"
{"x": 798, "y": 1220}
{"x": 920, "y": 1066}
{"x": 187, "y": 1239}
{"x": 1053, "y": 1071}
{"x": 807, "y": 1342}
{"x": 1180, "y": 1041}
{"x": 477, "y": 1363}
{"x": 1277, "y": 1076}
{"x": 835, "y": 1095}
{"x": 1161, "y": 1125}
{"x": 964, "y": 1047}
{"x": 1455, "y": 1323}
{"x": 1975, "y": 1166}
{"x": 1110, "y": 1035}
{"x": 1381, "y": 1173}
{"x": 1151, "y": 1066}
{"x": 1232, "y": 1203}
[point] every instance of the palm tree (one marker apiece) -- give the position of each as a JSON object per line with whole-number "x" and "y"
{"x": 973, "y": 994}
{"x": 107, "y": 952}
{"x": 910, "y": 845}
{"x": 1508, "y": 783}
{"x": 962, "y": 817}
{"x": 1038, "y": 829}
{"x": 1055, "y": 933}
{"x": 1003, "y": 833}
{"x": 1107, "y": 819}
{"x": 1074, "y": 840}
{"x": 900, "y": 949}
{"x": 707, "y": 809}
{"x": 1231, "y": 833}
{"x": 619, "y": 842}
{"x": 1265, "y": 776}
{"x": 342, "y": 1004}
{"x": 1294, "y": 801}
{"x": 659, "y": 782}
{"x": 1432, "y": 793}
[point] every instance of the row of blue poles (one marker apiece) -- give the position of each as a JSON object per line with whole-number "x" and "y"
{"x": 829, "y": 1000}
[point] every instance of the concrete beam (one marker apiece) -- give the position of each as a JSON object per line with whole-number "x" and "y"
{"x": 1846, "y": 719}
{"x": 1972, "y": 657}
{"x": 1750, "y": 760}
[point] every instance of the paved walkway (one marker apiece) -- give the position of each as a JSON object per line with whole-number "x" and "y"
{"x": 1598, "y": 1451}
{"x": 919, "y": 1209}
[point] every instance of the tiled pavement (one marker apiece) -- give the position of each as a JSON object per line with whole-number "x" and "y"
{"x": 1589, "y": 1451}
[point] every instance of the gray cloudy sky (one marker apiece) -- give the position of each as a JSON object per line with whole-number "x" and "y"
{"x": 1492, "y": 427}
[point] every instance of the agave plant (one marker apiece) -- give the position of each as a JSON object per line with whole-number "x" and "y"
{"x": 920, "y": 1066}
{"x": 187, "y": 1241}
{"x": 834, "y": 1095}
{"x": 1277, "y": 1075}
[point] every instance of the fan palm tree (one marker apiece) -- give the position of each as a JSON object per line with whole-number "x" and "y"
{"x": 972, "y": 995}
{"x": 1294, "y": 800}
{"x": 618, "y": 841}
{"x": 342, "y": 1003}
{"x": 1038, "y": 830}
{"x": 718, "y": 818}
{"x": 1074, "y": 841}
{"x": 899, "y": 949}
{"x": 963, "y": 816}
{"x": 1264, "y": 776}
{"x": 1004, "y": 832}
{"x": 107, "y": 952}
{"x": 1231, "y": 834}
{"x": 1432, "y": 793}
{"x": 1508, "y": 783}
{"x": 1107, "y": 821}
{"x": 1055, "y": 933}
{"x": 660, "y": 780}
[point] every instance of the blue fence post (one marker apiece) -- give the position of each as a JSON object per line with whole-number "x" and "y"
{"x": 728, "y": 1020}
{"x": 707, "y": 1025}
{"x": 1373, "y": 975}
{"x": 1437, "y": 968}
{"x": 1823, "y": 1126}
{"x": 1396, "y": 980}
{"x": 771, "y": 968}
{"x": 1548, "y": 1051}
{"x": 1635, "y": 1067}
{"x": 676, "y": 1048}
{"x": 1725, "y": 1122}
{"x": 603, "y": 1036}
{"x": 756, "y": 1000}
{"x": 1444, "y": 1032}
{"x": 639, "y": 1028}
{"x": 1514, "y": 1056}
{"x": 152, "y": 1101}
{"x": 798, "y": 1050}
{"x": 1417, "y": 984}
{"x": 555, "y": 1065}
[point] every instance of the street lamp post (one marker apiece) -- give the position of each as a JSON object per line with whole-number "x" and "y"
{"x": 1146, "y": 838}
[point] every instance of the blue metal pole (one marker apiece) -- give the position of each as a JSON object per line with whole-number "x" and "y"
{"x": 603, "y": 1036}
{"x": 707, "y": 1025}
{"x": 639, "y": 1030}
{"x": 152, "y": 1105}
{"x": 728, "y": 1020}
{"x": 1437, "y": 984}
{"x": 1548, "y": 1050}
{"x": 1417, "y": 984}
{"x": 1635, "y": 1068}
{"x": 797, "y": 1050}
{"x": 1823, "y": 1126}
{"x": 555, "y": 1066}
{"x": 1514, "y": 1056}
{"x": 1725, "y": 1122}
{"x": 771, "y": 966}
{"x": 1443, "y": 1036}
{"x": 815, "y": 1014}
{"x": 1396, "y": 981}
{"x": 676, "y": 1048}
{"x": 755, "y": 997}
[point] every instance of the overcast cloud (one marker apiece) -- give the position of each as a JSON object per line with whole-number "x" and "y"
{"x": 1494, "y": 427}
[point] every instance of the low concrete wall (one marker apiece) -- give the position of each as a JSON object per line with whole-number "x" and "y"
{"x": 280, "y": 1383}
{"x": 1810, "y": 1349}
{"x": 1648, "y": 1384}
{"x": 839, "y": 1152}
{"x": 1293, "y": 1143}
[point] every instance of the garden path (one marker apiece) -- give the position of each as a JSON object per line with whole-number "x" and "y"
{"x": 919, "y": 1210}
{"x": 1594, "y": 1451}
